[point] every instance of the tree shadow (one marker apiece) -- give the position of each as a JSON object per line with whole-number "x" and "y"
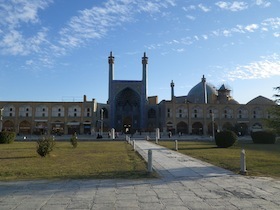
{"x": 16, "y": 158}
{"x": 198, "y": 148}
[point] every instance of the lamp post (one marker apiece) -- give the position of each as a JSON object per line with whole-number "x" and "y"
{"x": 101, "y": 129}
{"x": 1, "y": 118}
{"x": 213, "y": 125}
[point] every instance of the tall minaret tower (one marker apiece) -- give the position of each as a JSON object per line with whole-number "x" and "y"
{"x": 144, "y": 74}
{"x": 172, "y": 90}
{"x": 144, "y": 91}
{"x": 203, "y": 80}
{"x": 111, "y": 60}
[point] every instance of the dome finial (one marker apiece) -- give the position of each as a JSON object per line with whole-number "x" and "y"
{"x": 203, "y": 79}
{"x": 111, "y": 58}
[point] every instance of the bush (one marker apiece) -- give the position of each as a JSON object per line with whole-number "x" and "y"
{"x": 7, "y": 137}
{"x": 263, "y": 137}
{"x": 225, "y": 139}
{"x": 74, "y": 140}
{"x": 45, "y": 146}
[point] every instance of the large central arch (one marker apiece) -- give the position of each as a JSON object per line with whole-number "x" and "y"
{"x": 127, "y": 115}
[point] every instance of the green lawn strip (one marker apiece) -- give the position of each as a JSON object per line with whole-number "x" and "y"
{"x": 261, "y": 159}
{"x": 97, "y": 160}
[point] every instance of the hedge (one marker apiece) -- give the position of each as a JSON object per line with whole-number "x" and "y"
{"x": 225, "y": 139}
{"x": 7, "y": 137}
{"x": 263, "y": 137}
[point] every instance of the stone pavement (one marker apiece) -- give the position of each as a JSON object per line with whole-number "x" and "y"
{"x": 185, "y": 183}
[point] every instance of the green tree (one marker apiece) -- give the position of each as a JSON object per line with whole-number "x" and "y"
{"x": 45, "y": 146}
{"x": 7, "y": 137}
{"x": 225, "y": 139}
{"x": 74, "y": 140}
{"x": 274, "y": 121}
{"x": 277, "y": 96}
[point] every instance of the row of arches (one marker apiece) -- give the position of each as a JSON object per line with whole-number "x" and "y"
{"x": 225, "y": 112}
{"x": 197, "y": 128}
{"x": 42, "y": 127}
{"x": 45, "y": 111}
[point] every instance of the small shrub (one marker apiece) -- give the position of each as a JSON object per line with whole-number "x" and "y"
{"x": 7, "y": 137}
{"x": 45, "y": 146}
{"x": 225, "y": 139}
{"x": 74, "y": 140}
{"x": 263, "y": 137}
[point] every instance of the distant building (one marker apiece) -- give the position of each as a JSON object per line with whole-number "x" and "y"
{"x": 203, "y": 110}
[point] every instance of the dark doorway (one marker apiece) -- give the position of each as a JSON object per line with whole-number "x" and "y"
{"x": 127, "y": 124}
{"x": 197, "y": 128}
{"x": 182, "y": 128}
{"x": 127, "y": 111}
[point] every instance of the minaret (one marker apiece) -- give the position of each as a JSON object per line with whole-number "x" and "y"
{"x": 203, "y": 80}
{"x": 111, "y": 59}
{"x": 144, "y": 74}
{"x": 144, "y": 91}
{"x": 172, "y": 89}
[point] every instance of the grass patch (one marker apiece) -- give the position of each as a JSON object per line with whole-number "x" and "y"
{"x": 261, "y": 159}
{"x": 95, "y": 160}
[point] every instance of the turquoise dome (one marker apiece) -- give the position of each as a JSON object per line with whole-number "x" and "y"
{"x": 196, "y": 94}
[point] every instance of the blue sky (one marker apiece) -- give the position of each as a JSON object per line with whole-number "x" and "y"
{"x": 57, "y": 50}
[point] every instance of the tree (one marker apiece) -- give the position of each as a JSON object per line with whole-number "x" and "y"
{"x": 7, "y": 137}
{"x": 274, "y": 121}
{"x": 277, "y": 96}
{"x": 45, "y": 146}
{"x": 225, "y": 139}
{"x": 74, "y": 140}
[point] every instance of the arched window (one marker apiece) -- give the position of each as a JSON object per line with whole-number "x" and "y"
{"x": 180, "y": 113}
{"x": 225, "y": 114}
{"x": 239, "y": 114}
{"x": 257, "y": 112}
{"x": 212, "y": 112}
{"x": 195, "y": 113}
{"x": 168, "y": 112}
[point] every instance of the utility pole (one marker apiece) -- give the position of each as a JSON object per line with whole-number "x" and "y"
{"x": 213, "y": 125}
{"x": 1, "y": 118}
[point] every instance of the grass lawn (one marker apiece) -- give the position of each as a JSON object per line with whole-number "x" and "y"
{"x": 261, "y": 159}
{"x": 89, "y": 160}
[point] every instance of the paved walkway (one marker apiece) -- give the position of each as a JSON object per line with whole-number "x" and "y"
{"x": 185, "y": 183}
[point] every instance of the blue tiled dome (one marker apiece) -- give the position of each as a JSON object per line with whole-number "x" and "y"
{"x": 196, "y": 94}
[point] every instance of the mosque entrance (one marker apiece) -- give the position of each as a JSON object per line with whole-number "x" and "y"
{"x": 127, "y": 123}
{"x": 127, "y": 111}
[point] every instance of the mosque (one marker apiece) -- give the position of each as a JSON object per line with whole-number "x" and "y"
{"x": 203, "y": 111}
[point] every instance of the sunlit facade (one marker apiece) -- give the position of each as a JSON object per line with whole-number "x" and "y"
{"x": 202, "y": 111}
